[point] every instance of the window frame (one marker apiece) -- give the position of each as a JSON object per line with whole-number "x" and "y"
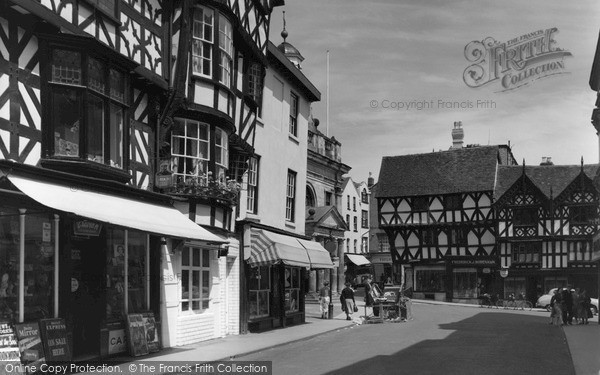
{"x": 203, "y": 41}
{"x": 525, "y": 216}
{"x": 263, "y": 290}
{"x": 203, "y": 300}
{"x": 112, "y": 91}
{"x": 364, "y": 196}
{"x": 293, "y": 288}
{"x": 290, "y": 196}
{"x": 252, "y": 185}
{"x": 582, "y": 214}
{"x": 355, "y": 223}
{"x": 294, "y": 110}
{"x": 364, "y": 219}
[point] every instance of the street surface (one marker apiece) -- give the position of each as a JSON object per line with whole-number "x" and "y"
{"x": 442, "y": 339}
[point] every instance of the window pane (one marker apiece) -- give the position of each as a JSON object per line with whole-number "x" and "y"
{"x": 66, "y": 67}
{"x": 116, "y": 136}
{"x": 196, "y": 257}
{"x": 96, "y": 79}
{"x": 196, "y": 284}
{"x": 66, "y": 117}
{"x": 205, "y": 258}
{"x": 185, "y": 285}
{"x": 39, "y": 268}
{"x": 95, "y": 129}
{"x": 205, "y": 284}
{"x": 118, "y": 86}
{"x": 185, "y": 256}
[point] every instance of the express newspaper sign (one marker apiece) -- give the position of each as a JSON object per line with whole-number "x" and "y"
{"x": 516, "y": 62}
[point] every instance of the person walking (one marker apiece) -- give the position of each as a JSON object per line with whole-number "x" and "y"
{"x": 567, "y": 305}
{"x": 369, "y": 300}
{"x": 556, "y": 308}
{"x": 324, "y": 300}
{"x": 348, "y": 302}
{"x": 586, "y": 303}
{"x": 576, "y": 301}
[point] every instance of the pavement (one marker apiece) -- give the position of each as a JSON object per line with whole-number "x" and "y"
{"x": 583, "y": 341}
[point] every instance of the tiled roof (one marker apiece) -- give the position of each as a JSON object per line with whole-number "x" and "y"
{"x": 460, "y": 170}
{"x": 550, "y": 179}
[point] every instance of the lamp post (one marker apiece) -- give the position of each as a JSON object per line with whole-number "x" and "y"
{"x": 335, "y": 260}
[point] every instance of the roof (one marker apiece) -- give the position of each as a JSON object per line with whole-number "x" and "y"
{"x": 552, "y": 180}
{"x": 467, "y": 169}
{"x": 290, "y": 71}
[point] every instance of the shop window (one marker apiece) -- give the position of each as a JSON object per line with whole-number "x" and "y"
{"x": 39, "y": 267}
{"x": 552, "y": 282}
{"x": 525, "y": 216}
{"x": 137, "y": 260}
{"x": 292, "y": 289}
{"x": 9, "y": 263}
{"x": 259, "y": 291}
{"x": 464, "y": 282}
{"x": 430, "y": 279}
{"x": 515, "y": 286}
{"x": 115, "y": 271}
{"x": 88, "y": 108}
{"x": 252, "y": 199}
{"x": 195, "y": 279}
{"x": 290, "y": 197}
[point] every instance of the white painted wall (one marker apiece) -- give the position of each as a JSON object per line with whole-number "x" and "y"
{"x": 350, "y": 191}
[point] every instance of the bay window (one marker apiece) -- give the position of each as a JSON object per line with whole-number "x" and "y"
{"x": 198, "y": 151}
{"x": 206, "y": 23}
{"x": 88, "y": 107}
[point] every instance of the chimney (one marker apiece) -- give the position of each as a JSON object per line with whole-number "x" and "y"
{"x": 370, "y": 181}
{"x": 546, "y": 160}
{"x": 457, "y": 135}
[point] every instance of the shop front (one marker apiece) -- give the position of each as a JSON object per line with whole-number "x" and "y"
{"x": 277, "y": 277}
{"x": 88, "y": 257}
{"x": 384, "y": 270}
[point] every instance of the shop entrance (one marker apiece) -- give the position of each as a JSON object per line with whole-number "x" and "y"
{"x": 86, "y": 294}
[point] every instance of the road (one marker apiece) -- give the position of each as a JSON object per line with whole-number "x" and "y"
{"x": 442, "y": 339}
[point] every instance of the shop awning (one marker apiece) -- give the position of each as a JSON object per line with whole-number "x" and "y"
{"x": 272, "y": 248}
{"x": 147, "y": 217}
{"x": 358, "y": 259}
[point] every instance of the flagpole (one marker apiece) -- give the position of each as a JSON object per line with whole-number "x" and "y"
{"x": 327, "y": 104}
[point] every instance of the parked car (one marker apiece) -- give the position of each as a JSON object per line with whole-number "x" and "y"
{"x": 544, "y": 301}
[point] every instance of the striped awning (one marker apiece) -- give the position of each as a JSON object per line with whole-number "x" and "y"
{"x": 272, "y": 248}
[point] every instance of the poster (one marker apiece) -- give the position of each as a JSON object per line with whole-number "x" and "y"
{"x": 54, "y": 339}
{"x": 30, "y": 343}
{"x": 9, "y": 348}
{"x": 136, "y": 331}
{"x": 152, "y": 335}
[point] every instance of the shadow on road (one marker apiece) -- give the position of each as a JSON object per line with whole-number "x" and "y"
{"x": 486, "y": 343}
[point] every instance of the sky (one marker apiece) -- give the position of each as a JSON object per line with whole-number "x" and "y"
{"x": 386, "y": 54}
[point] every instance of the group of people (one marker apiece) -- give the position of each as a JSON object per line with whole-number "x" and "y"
{"x": 372, "y": 293}
{"x": 570, "y": 307}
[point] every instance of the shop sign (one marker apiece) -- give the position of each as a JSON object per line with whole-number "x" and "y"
{"x": 504, "y": 272}
{"x": 54, "y": 338}
{"x": 473, "y": 262}
{"x": 136, "y": 335}
{"x": 486, "y": 270}
{"x": 46, "y": 232}
{"x": 381, "y": 258}
{"x": 164, "y": 177}
{"x": 86, "y": 228}
{"x": 117, "y": 341}
{"x": 30, "y": 343}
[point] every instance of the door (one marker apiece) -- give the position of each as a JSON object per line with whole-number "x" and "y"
{"x": 87, "y": 294}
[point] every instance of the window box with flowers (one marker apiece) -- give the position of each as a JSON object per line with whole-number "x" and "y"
{"x": 199, "y": 162}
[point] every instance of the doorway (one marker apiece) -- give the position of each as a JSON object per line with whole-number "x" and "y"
{"x": 86, "y": 298}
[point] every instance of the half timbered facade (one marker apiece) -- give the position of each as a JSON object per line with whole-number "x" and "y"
{"x": 149, "y": 106}
{"x": 436, "y": 210}
{"x": 456, "y": 218}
